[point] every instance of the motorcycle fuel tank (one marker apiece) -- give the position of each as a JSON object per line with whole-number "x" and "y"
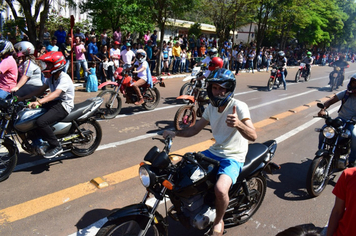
{"x": 26, "y": 119}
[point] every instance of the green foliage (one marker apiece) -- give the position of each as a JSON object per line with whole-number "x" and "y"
{"x": 195, "y": 29}
{"x": 54, "y": 21}
{"x": 110, "y": 14}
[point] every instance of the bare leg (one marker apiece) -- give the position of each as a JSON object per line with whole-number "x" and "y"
{"x": 136, "y": 86}
{"x": 222, "y": 200}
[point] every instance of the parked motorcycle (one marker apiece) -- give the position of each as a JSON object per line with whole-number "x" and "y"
{"x": 333, "y": 155}
{"x": 189, "y": 184}
{"x": 78, "y": 133}
{"x": 187, "y": 88}
{"x": 186, "y": 115}
{"x": 112, "y": 101}
{"x": 302, "y": 73}
{"x": 275, "y": 78}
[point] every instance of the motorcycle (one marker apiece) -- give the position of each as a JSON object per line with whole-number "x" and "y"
{"x": 187, "y": 88}
{"x": 112, "y": 101}
{"x": 302, "y": 72}
{"x": 186, "y": 115}
{"x": 78, "y": 133}
{"x": 189, "y": 184}
{"x": 332, "y": 156}
{"x": 336, "y": 78}
{"x": 275, "y": 78}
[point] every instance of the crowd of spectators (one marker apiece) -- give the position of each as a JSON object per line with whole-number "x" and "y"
{"x": 179, "y": 54}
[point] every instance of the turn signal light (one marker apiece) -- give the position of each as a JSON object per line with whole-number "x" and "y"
{"x": 168, "y": 184}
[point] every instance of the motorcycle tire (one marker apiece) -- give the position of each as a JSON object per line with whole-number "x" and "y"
{"x": 297, "y": 76}
{"x": 257, "y": 186}
{"x": 270, "y": 84}
{"x": 185, "y": 117}
{"x": 187, "y": 89}
{"x": 317, "y": 179}
{"x": 8, "y": 160}
{"x": 87, "y": 145}
{"x": 307, "y": 78}
{"x": 151, "y": 98}
{"x": 127, "y": 227}
{"x": 111, "y": 105}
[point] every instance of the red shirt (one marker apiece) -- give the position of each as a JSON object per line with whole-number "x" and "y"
{"x": 345, "y": 189}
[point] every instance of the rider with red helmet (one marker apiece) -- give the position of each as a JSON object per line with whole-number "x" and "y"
{"x": 214, "y": 63}
{"x": 58, "y": 103}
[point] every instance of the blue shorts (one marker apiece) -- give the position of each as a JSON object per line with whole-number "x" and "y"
{"x": 229, "y": 167}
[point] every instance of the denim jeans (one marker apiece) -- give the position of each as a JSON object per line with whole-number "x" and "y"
{"x": 84, "y": 64}
{"x": 268, "y": 63}
{"x": 3, "y": 94}
{"x": 250, "y": 65}
{"x": 176, "y": 64}
{"x": 284, "y": 80}
{"x": 66, "y": 66}
{"x": 187, "y": 66}
{"x": 182, "y": 67}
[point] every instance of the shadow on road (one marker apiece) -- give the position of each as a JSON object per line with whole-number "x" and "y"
{"x": 292, "y": 185}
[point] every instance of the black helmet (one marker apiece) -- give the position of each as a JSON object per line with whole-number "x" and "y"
{"x": 349, "y": 88}
{"x": 226, "y": 79}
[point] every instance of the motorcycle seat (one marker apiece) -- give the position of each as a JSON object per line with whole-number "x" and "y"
{"x": 79, "y": 109}
{"x": 255, "y": 156}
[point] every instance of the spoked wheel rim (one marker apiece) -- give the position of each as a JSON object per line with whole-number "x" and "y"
{"x": 83, "y": 146}
{"x": 319, "y": 177}
{"x": 185, "y": 117}
{"x": 151, "y": 98}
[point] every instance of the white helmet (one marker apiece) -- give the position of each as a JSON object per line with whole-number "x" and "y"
{"x": 141, "y": 55}
{"x": 6, "y": 47}
{"x": 281, "y": 54}
{"x": 24, "y": 48}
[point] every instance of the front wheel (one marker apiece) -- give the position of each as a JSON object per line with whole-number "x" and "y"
{"x": 185, "y": 117}
{"x": 187, "y": 89}
{"x": 151, "y": 98}
{"x": 8, "y": 160}
{"x": 84, "y": 146}
{"x": 257, "y": 187}
{"x": 297, "y": 76}
{"x": 126, "y": 227}
{"x": 270, "y": 84}
{"x": 317, "y": 176}
{"x": 111, "y": 105}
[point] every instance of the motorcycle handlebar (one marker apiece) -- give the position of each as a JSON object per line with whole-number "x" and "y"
{"x": 199, "y": 156}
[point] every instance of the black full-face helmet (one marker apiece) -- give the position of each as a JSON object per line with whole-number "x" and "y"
{"x": 226, "y": 79}
{"x": 349, "y": 87}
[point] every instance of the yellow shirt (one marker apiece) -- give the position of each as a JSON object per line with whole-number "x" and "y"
{"x": 176, "y": 51}
{"x": 189, "y": 55}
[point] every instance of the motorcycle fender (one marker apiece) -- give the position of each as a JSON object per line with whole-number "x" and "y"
{"x": 8, "y": 142}
{"x": 107, "y": 83}
{"x": 141, "y": 213}
{"x": 188, "y": 97}
{"x": 321, "y": 152}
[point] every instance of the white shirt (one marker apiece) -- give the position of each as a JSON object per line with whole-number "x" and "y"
{"x": 127, "y": 56}
{"x": 229, "y": 141}
{"x": 115, "y": 52}
{"x": 142, "y": 74}
{"x": 64, "y": 83}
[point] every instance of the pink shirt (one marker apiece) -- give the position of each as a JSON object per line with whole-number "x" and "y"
{"x": 79, "y": 54}
{"x": 147, "y": 37}
{"x": 9, "y": 73}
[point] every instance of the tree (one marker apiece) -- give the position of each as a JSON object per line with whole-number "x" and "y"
{"x": 228, "y": 15}
{"x": 160, "y": 10}
{"x": 33, "y": 11}
{"x": 110, "y": 14}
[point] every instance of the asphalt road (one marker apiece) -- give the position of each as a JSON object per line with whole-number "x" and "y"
{"x": 56, "y": 197}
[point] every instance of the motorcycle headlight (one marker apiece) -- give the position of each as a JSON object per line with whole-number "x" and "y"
{"x": 273, "y": 71}
{"x": 329, "y": 132}
{"x": 146, "y": 176}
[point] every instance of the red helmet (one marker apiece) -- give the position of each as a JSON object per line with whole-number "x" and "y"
{"x": 215, "y": 63}
{"x": 55, "y": 58}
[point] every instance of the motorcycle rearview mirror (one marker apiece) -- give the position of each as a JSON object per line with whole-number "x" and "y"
{"x": 320, "y": 105}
